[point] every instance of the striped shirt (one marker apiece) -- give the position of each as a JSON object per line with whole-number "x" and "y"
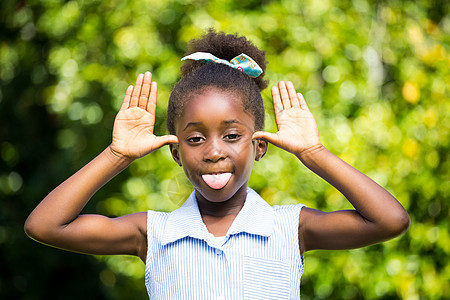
{"x": 259, "y": 257}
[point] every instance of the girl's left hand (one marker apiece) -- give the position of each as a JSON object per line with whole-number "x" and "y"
{"x": 297, "y": 128}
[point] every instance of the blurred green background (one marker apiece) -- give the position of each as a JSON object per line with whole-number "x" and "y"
{"x": 375, "y": 74}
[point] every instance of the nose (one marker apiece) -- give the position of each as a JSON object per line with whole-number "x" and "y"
{"x": 214, "y": 151}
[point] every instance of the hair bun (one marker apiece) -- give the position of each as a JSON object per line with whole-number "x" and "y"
{"x": 225, "y": 46}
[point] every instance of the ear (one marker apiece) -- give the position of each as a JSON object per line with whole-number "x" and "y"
{"x": 174, "y": 150}
{"x": 261, "y": 149}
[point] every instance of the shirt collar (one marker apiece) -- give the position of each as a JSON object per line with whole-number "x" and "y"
{"x": 255, "y": 217}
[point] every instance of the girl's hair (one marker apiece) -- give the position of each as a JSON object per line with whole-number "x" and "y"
{"x": 198, "y": 76}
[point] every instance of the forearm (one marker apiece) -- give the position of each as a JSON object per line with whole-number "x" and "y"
{"x": 66, "y": 201}
{"x": 370, "y": 200}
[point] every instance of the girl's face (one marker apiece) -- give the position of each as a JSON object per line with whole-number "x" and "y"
{"x": 215, "y": 145}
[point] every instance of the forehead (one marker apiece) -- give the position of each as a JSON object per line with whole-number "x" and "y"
{"x": 213, "y": 105}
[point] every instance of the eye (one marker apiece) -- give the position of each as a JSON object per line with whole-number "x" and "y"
{"x": 232, "y": 136}
{"x": 195, "y": 139}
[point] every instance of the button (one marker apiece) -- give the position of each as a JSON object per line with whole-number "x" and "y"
{"x": 219, "y": 252}
{"x": 221, "y": 297}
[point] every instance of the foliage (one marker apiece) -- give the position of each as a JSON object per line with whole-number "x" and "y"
{"x": 375, "y": 75}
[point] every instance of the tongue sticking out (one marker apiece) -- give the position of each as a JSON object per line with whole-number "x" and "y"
{"x": 216, "y": 181}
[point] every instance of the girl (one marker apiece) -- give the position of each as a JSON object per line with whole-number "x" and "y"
{"x": 225, "y": 242}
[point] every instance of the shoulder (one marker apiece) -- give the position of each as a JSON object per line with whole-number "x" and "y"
{"x": 147, "y": 224}
{"x": 142, "y": 220}
{"x": 152, "y": 216}
{"x": 286, "y": 217}
{"x": 289, "y": 207}
{"x": 283, "y": 211}
{"x": 156, "y": 222}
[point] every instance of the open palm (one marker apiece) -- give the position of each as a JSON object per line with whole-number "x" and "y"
{"x": 297, "y": 128}
{"x": 134, "y": 124}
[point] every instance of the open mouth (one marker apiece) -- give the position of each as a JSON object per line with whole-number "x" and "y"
{"x": 216, "y": 181}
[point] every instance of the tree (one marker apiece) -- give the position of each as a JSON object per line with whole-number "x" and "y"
{"x": 375, "y": 75}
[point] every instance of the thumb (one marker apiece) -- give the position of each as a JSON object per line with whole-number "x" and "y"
{"x": 264, "y": 135}
{"x": 165, "y": 139}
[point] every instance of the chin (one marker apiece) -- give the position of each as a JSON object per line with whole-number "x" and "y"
{"x": 219, "y": 195}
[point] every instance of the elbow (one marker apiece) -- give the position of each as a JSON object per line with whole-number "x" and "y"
{"x": 398, "y": 224}
{"x": 30, "y": 228}
{"x": 34, "y": 229}
{"x": 41, "y": 230}
{"x": 406, "y": 222}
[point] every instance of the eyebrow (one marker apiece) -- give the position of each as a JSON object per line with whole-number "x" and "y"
{"x": 227, "y": 122}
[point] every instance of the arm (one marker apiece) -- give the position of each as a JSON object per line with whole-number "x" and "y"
{"x": 56, "y": 220}
{"x": 378, "y": 216}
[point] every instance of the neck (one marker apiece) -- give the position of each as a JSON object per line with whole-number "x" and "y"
{"x": 230, "y": 207}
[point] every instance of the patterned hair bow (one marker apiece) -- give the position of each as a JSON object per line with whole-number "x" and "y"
{"x": 242, "y": 62}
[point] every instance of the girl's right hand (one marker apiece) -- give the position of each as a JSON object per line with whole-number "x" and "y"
{"x": 134, "y": 124}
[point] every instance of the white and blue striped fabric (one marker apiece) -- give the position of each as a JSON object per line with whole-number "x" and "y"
{"x": 259, "y": 257}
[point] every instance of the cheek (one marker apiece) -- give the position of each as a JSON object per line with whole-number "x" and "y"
{"x": 250, "y": 145}
{"x": 247, "y": 153}
{"x": 189, "y": 157}
{"x": 189, "y": 167}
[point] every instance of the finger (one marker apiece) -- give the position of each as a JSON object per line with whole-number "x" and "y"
{"x": 277, "y": 105}
{"x": 145, "y": 91}
{"x": 127, "y": 98}
{"x": 170, "y": 139}
{"x": 151, "y": 105}
{"x": 302, "y": 101}
{"x": 284, "y": 95}
{"x": 292, "y": 95}
{"x": 165, "y": 140}
{"x": 136, "y": 91}
{"x": 267, "y": 136}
